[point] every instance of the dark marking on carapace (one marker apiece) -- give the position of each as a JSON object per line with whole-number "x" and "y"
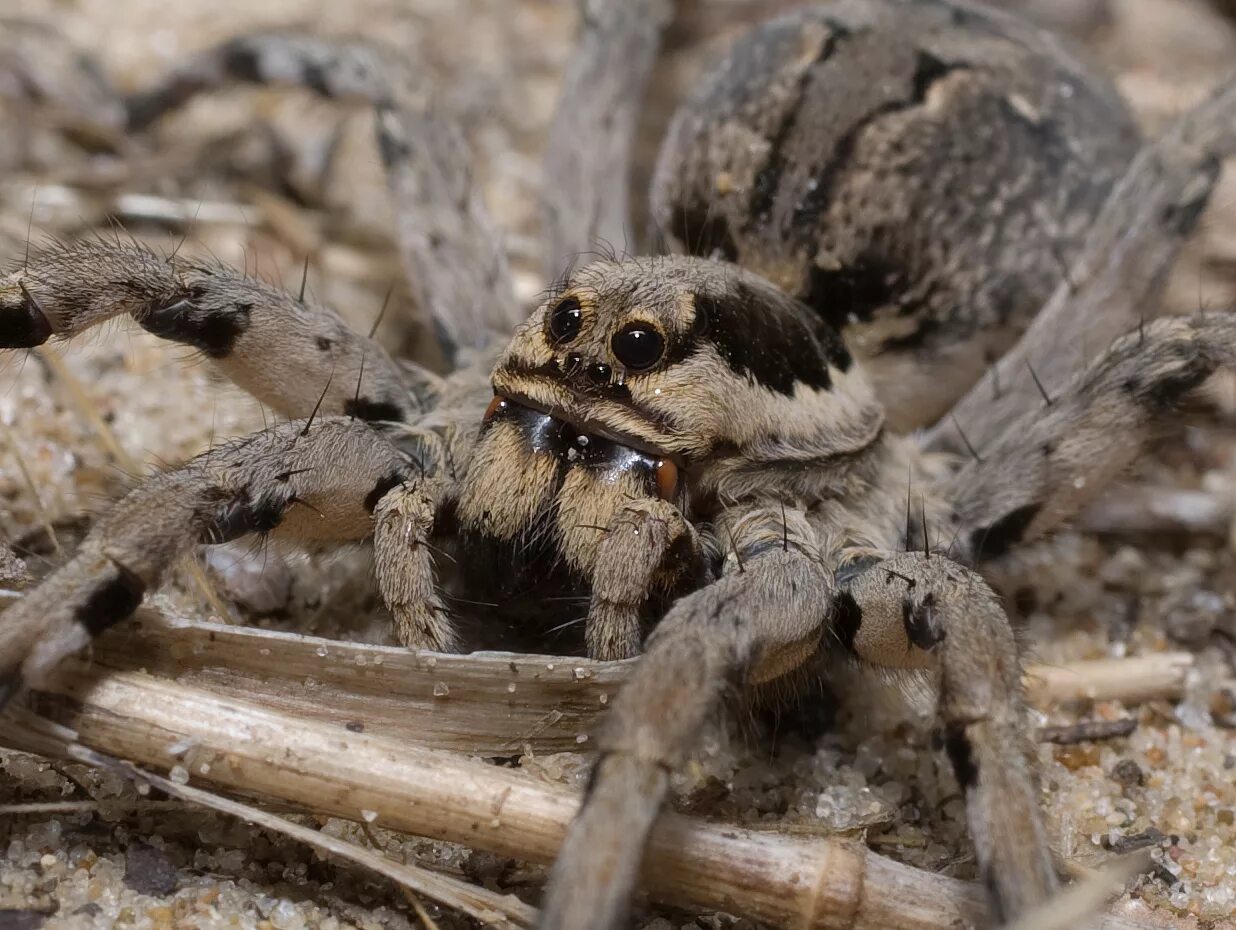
{"x": 772, "y": 339}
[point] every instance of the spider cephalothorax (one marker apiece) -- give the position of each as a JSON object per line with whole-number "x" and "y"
{"x": 691, "y": 359}
{"x": 670, "y": 380}
{"x": 677, "y": 443}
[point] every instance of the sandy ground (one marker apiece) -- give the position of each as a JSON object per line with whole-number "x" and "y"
{"x": 251, "y": 166}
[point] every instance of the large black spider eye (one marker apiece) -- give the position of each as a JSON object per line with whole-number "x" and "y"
{"x": 565, "y": 320}
{"x": 638, "y": 346}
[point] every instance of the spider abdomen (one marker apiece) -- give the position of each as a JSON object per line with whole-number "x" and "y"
{"x": 912, "y": 171}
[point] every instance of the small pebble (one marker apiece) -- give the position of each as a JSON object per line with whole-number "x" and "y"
{"x": 148, "y": 870}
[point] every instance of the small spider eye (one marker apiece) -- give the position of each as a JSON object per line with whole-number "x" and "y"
{"x": 565, "y": 320}
{"x": 638, "y": 346}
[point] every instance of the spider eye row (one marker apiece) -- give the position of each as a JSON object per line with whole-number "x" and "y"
{"x": 638, "y": 346}
{"x": 565, "y": 320}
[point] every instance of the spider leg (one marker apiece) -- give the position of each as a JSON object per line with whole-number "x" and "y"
{"x": 916, "y": 611}
{"x": 293, "y": 355}
{"x": 1121, "y": 270}
{"x": 403, "y": 523}
{"x": 646, "y": 548}
{"x": 593, "y": 130}
{"x": 332, "y": 68}
{"x": 452, "y": 252}
{"x": 762, "y": 618}
{"x": 1049, "y": 463}
{"x": 43, "y": 66}
{"x": 304, "y": 480}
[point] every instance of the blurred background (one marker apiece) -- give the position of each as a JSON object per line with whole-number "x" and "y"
{"x": 267, "y": 180}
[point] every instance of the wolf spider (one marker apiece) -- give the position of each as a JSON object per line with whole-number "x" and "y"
{"x": 864, "y": 204}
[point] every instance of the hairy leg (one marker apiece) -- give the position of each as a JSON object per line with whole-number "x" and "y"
{"x": 403, "y": 524}
{"x": 1120, "y": 271}
{"x": 452, "y": 253}
{"x": 333, "y": 68}
{"x": 916, "y": 611}
{"x": 749, "y": 626}
{"x": 1051, "y": 462}
{"x": 647, "y": 547}
{"x": 290, "y": 354}
{"x": 303, "y": 480}
{"x": 588, "y": 157}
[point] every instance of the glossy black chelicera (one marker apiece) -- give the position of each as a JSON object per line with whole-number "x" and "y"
{"x": 520, "y": 590}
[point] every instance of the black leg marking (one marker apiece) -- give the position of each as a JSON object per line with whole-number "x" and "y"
{"x": 111, "y": 602}
{"x": 384, "y": 486}
{"x": 242, "y": 60}
{"x": 995, "y": 540}
{"x": 1166, "y": 392}
{"x": 24, "y": 326}
{"x": 245, "y": 516}
{"x": 371, "y": 411}
{"x": 847, "y": 618}
{"x": 919, "y": 619}
{"x": 957, "y": 745}
{"x": 209, "y": 329}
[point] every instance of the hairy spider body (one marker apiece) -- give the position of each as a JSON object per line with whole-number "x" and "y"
{"x": 547, "y": 538}
{"x": 680, "y": 443}
{"x": 855, "y": 155}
